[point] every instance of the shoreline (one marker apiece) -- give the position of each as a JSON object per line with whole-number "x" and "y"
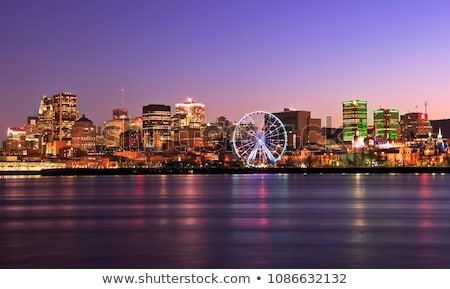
{"x": 150, "y": 171}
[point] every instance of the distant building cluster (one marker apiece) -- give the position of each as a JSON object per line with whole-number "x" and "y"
{"x": 388, "y": 124}
{"x": 159, "y": 138}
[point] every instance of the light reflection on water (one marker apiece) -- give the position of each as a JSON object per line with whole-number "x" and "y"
{"x": 226, "y": 221}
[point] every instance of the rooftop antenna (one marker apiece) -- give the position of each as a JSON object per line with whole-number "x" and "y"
{"x": 122, "y": 91}
{"x": 426, "y": 104}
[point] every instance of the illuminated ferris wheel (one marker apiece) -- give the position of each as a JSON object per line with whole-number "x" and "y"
{"x": 259, "y": 139}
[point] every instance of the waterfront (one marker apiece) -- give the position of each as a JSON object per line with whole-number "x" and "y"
{"x": 226, "y": 221}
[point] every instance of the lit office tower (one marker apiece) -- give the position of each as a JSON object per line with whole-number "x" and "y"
{"x": 354, "y": 115}
{"x": 187, "y": 123}
{"x": 156, "y": 126}
{"x": 116, "y": 127}
{"x": 66, "y": 113}
{"x": 415, "y": 125}
{"x": 190, "y": 113}
{"x": 386, "y": 123}
{"x": 15, "y": 144}
{"x": 45, "y": 117}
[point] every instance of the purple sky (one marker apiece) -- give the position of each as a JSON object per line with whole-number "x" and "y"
{"x": 233, "y": 56}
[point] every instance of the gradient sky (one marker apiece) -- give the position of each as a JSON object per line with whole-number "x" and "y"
{"x": 235, "y": 56}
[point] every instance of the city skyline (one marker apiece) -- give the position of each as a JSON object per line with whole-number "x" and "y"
{"x": 234, "y": 56}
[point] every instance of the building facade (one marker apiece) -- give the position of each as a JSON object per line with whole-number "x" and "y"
{"x": 386, "y": 123}
{"x": 46, "y": 116}
{"x": 65, "y": 110}
{"x": 300, "y": 127}
{"x": 120, "y": 113}
{"x": 190, "y": 113}
{"x": 156, "y": 126}
{"x": 114, "y": 128}
{"x": 84, "y": 135}
{"x": 131, "y": 140}
{"x": 442, "y": 125}
{"x": 213, "y": 136}
{"x": 415, "y": 125}
{"x": 354, "y": 116}
{"x": 187, "y": 125}
{"x": 15, "y": 143}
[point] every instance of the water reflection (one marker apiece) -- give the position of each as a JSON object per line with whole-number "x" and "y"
{"x": 226, "y": 221}
{"x": 426, "y": 223}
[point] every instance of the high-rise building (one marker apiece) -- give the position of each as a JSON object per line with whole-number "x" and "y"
{"x": 55, "y": 120}
{"x": 115, "y": 128}
{"x": 84, "y": 135}
{"x": 65, "y": 110}
{"x": 213, "y": 136}
{"x": 46, "y": 119}
{"x": 15, "y": 144}
{"x": 131, "y": 140}
{"x": 156, "y": 126}
{"x": 112, "y": 130}
{"x": 32, "y": 138}
{"x": 31, "y": 125}
{"x": 354, "y": 115}
{"x": 300, "y": 127}
{"x": 190, "y": 113}
{"x": 415, "y": 125}
{"x": 227, "y": 132}
{"x": 120, "y": 113}
{"x": 386, "y": 123}
{"x": 136, "y": 124}
{"x": 187, "y": 123}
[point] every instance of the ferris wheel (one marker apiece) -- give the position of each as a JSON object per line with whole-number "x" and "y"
{"x": 259, "y": 139}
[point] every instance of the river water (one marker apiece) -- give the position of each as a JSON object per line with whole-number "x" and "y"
{"x": 226, "y": 221}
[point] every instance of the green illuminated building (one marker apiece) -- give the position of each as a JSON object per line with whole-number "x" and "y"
{"x": 386, "y": 123}
{"x": 354, "y": 115}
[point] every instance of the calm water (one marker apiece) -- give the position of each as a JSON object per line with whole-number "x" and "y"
{"x": 226, "y": 221}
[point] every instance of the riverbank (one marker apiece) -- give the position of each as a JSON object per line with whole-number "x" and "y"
{"x": 322, "y": 170}
{"x": 147, "y": 171}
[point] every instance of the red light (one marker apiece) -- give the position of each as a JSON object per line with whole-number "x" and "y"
{"x": 423, "y": 116}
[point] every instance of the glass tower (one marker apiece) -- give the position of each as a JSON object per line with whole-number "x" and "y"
{"x": 354, "y": 115}
{"x": 386, "y": 122}
{"x": 156, "y": 126}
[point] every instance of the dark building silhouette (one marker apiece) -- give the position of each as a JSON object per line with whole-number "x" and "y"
{"x": 300, "y": 127}
{"x": 444, "y": 125}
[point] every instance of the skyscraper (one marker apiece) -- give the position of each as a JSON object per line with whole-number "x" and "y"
{"x": 386, "y": 123}
{"x": 15, "y": 144}
{"x": 156, "y": 126}
{"x": 191, "y": 113}
{"x": 354, "y": 115}
{"x": 65, "y": 110}
{"x": 414, "y": 125}
{"x": 116, "y": 127}
{"x": 187, "y": 124}
{"x": 46, "y": 116}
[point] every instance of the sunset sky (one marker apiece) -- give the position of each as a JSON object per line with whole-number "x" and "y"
{"x": 235, "y": 56}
